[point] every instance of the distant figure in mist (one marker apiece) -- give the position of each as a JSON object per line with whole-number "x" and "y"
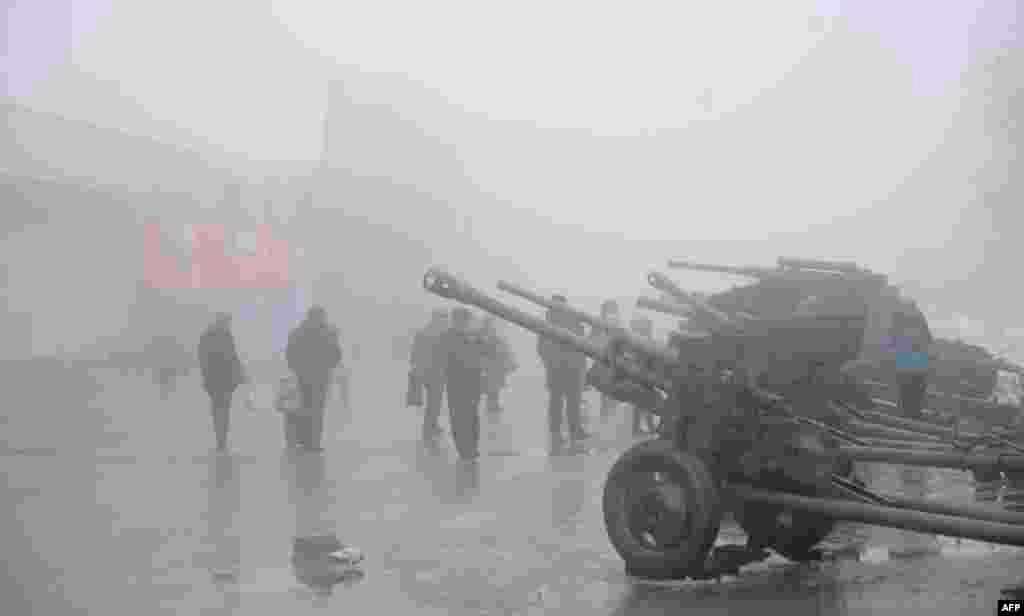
{"x": 427, "y": 365}
{"x": 910, "y": 339}
{"x": 171, "y": 358}
{"x": 565, "y": 370}
{"x": 497, "y": 369}
{"x": 610, "y": 313}
{"x": 313, "y": 353}
{"x": 464, "y": 351}
{"x": 643, "y": 419}
{"x": 222, "y": 373}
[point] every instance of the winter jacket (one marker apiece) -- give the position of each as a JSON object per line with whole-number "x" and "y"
{"x": 497, "y": 368}
{"x": 313, "y": 352}
{"x": 219, "y": 364}
{"x": 910, "y": 341}
{"x": 464, "y": 354}
{"x": 560, "y": 361}
{"x": 427, "y": 357}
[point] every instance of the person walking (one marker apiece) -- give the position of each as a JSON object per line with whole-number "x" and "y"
{"x": 643, "y": 419}
{"x": 565, "y": 370}
{"x": 427, "y": 368}
{"x": 222, "y": 373}
{"x": 911, "y": 341}
{"x": 313, "y": 354}
{"x": 497, "y": 369}
{"x": 464, "y": 351}
{"x": 610, "y": 313}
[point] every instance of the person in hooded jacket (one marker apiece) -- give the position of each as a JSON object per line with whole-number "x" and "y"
{"x": 565, "y": 370}
{"x": 222, "y": 373}
{"x": 313, "y": 353}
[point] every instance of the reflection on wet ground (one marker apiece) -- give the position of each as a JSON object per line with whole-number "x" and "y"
{"x": 1007, "y": 494}
{"x": 520, "y": 531}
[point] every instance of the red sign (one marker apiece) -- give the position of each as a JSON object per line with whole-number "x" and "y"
{"x": 212, "y": 267}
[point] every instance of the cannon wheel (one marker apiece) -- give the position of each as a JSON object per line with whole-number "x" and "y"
{"x": 661, "y": 510}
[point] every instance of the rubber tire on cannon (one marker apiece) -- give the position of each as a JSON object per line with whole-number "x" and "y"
{"x": 662, "y": 510}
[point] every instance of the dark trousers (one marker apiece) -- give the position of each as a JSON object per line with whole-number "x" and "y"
{"x": 464, "y": 416}
{"x": 494, "y": 401}
{"x": 608, "y": 405}
{"x": 220, "y": 409}
{"x": 292, "y": 429}
{"x": 639, "y": 415}
{"x": 913, "y": 392}
{"x": 432, "y": 412}
{"x": 310, "y": 423}
{"x": 565, "y": 394}
{"x": 344, "y": 389}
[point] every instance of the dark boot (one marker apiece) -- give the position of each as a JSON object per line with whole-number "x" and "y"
{"x": 493, "y": 402}
{"x": 464, "y": 417}
{"x": 574, "y": 414}
{"x": 555, "y": 405}
{"x": 221, "y": 412}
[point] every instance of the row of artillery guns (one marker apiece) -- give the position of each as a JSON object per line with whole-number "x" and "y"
{"x": 754, "y": 425}
{"x": 961, "y": 377}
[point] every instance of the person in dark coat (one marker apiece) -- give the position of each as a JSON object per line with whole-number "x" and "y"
{"x": 497, "y": 370}
{"x": 642, "y": 417}
{"x": 911, "y": 340}
{"x": 313, "y": 353}
{"x": 565, "y": 370}
{"x": 222, "y": 373}
{"x": 427, "y": 366}
{"x": 609, "y": 312}
{"x": 463, "y": 353}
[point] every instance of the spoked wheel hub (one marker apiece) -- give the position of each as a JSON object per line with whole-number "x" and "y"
{"x": 661, "y": 510}
{"x": 658, "y": 515}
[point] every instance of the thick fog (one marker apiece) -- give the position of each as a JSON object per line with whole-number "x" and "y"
{"x": 569, "y": 148}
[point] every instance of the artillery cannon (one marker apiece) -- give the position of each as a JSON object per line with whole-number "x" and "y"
{"x": 733, "y": 447}
{"x": 670, "y": 308}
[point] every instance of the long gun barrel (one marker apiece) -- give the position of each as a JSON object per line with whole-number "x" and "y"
{"x": 840, "y": 276}
{"x": 842, "y": 267}
{"x": 618, "y": 334}
{"x": 664, "y": 307}
{"x": 749, "y": 271}
{"x": 448, "y": 286}
{"x": 577, "y": 314}
{"x": 716, "y": 319}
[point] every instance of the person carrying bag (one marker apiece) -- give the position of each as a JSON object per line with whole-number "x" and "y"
{"x": 414, "y": 391}
{"x": 288, "y": 402}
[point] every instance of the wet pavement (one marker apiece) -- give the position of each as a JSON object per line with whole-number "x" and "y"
{"x": 114, "y": 504}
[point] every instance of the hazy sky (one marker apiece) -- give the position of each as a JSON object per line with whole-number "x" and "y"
{"x": 822, "y": 112}
{"x": 221, "y": 69}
